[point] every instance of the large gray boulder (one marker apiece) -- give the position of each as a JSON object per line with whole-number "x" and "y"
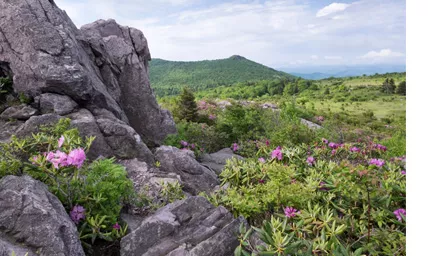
{"x": 21, "y": 112}
{"x": 55, "y": 103}
{"x": 102, "y": 66}
{"x": 190, "y": 227}
{"x": 216, "y": 161}
{"x": 195, "y": 177}
{"x": 33, "y": 220}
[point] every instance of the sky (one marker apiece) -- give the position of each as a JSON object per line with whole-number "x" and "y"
{"x": 276, "y": 33}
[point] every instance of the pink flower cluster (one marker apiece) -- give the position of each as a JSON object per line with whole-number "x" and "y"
{"x": 399, "y": 213}
{"x": 310, "y": 160}
{"x": 355, "y": 150}
{"x": 380, "y": 147}
{"x": 235, "y": 147}
{"x": 277, "y": 153}
{"x": 116, "y": 226}
{"x": 262, "y": 160}
{"x": 187, "y": 146}
{"x": 290, "y": 212}
{"x": 76, "y": 158}
{"x": 77, "y": 214}
{"x": 377, "y": 162}
{"x": 333, "y": 145}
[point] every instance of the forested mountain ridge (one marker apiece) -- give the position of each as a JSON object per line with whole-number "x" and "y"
{"x": 168, "y": 77}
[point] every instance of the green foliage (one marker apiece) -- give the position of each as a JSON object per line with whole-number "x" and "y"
{"x": 100, "y": 187}
{"x": 343, "y": 203}
{"x": 401, "y": 88}
{"x": 172, "y": 191}
{"x": 388, "y": 86}
{"x": 168, "y": 77}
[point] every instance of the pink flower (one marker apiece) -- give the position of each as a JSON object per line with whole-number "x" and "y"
{"x": 35, "y": 158}
{"x": 377, "y": 162}
{"x": 77, "y": 213}
{"x": 333, "y": 152}
{"x": 277, "y": 153}
{"x": 290, "y": 212}
{"x": 267, "y": 142}
{"x": 212, "y": 117}
{"x": 58, "y": 159}
{"x": 325, "y": 141}
{"x": 192, "y": 146}
{"x": 60, "y": 141}
{"x": 310, "y": 160}
{"x": 184, "y": 143}
{"x": 262, "y": 160}
{"x": 355, "y": 150}
{"x": 333, "y": 145}
{"x": 403, "y": 172}
{"x": 116, "y": 226}
{"x": 399, "y": 213}
{"x": 235, "y": 147}
{"x": 380, "y": 147}
{"x": 76, "y": 157}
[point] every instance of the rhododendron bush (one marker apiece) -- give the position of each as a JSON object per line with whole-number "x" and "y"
{"x": 93, "y": 192}
{"x": 322, "y": 199}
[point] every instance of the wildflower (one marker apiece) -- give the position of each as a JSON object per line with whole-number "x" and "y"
{"x": 58, "y": 159}
{"x": 333, "y": 152}
{"x": 184, "y": 143}
{"x": 320, "y": 118}
{"x": 60, "y": 141}
{"x": 399, "y": 213}
{"x": 290, "y": 212}
{"x": 333, "y": 145}
{"x": 277, "y": 153}
{"x": 262, "y": 181}
{"x": 262, "y": 160}
{"x": 310, "y": 160}
{"x": 355, "y": 150}
{"x": 380, "y": 147}
{"x": 403, "y": 172}
{"x": 267, "y": 142}
{"x": 35, "y": 158}
{"x": 293, "y": 181}
{"x": 377, "y": 162}
{"x": 76, "y": 157}
{"x": 192, "y": 146}
{"x": 325, "y": 141}
{"x": 235, "y": 147}
{"x": 212, "y": 117}
{"x": 116, "y": 226}
{"x": 77, "y": 213}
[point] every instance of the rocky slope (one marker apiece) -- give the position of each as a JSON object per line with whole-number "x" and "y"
{"x": 98, "y": 77}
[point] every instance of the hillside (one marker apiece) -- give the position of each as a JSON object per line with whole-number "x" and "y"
{"x": 168, "y": 77}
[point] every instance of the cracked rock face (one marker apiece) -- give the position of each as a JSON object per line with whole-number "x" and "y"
{"x": 33, "y": 220}
{"x": 102, "y": 66}
{"x": 189, "y": 227}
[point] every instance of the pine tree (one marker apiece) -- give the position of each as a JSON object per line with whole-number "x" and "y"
{"x": 401, "y": 89}
{"x": 187, "y": 108}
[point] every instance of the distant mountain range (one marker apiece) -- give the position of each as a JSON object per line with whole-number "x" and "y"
{"x": 316, "y": 73}
{"x": 168, "y": 77}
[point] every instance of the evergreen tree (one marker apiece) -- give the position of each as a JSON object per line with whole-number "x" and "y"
{"x": 401, "y": 89}
{"x": 187, "y": 108}
{"x": 388, "y": 86}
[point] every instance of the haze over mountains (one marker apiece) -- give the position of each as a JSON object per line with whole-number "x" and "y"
{"x": 321, "y": 72}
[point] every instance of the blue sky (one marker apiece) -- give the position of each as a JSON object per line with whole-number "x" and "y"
{"x": 277, "y": 33}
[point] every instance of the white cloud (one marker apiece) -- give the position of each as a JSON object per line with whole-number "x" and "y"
{"x": 333, "y": 57}
{"x": 384, "y": 53}
{"x": 271, "y": 32}
{"x": 332, "y": 8}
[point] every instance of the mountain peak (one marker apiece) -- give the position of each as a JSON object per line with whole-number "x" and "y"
{"x": 237, "y": 57}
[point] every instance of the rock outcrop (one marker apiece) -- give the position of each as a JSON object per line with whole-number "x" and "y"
{"x": 216, "y": 161}
{"x": 195, "y": 177}
{"x": 102, "y": 67}
{"x": 190, "y": 227}
{"x": 33, "y": 220}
